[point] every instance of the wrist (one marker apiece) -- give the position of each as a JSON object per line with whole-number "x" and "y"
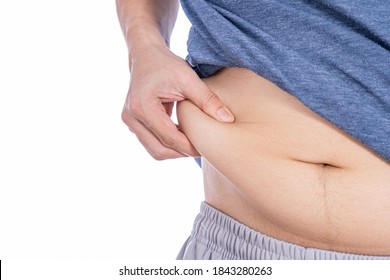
{"x": 140, "y": 37}
{"x": 143, "y": 43}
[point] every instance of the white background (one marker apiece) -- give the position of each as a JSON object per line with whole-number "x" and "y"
{"x": 74, "y": 182}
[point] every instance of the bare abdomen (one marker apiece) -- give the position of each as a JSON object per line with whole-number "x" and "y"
{"x": 286, "y": 172}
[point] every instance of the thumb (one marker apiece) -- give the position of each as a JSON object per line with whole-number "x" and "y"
{"x": 209, "y": 102}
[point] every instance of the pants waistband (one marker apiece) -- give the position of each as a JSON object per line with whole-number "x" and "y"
{"x": 233, "y": 240}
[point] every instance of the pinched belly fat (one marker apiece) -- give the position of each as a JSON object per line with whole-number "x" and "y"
{"x": 286, "y": 172}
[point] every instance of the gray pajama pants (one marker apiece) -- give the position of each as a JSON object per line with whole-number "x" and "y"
{"x": 216, "y": 236}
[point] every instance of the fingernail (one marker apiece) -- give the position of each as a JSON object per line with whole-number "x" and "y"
{"x": 224, "y": 115}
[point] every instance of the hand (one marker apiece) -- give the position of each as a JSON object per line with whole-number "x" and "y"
{"x": 158, "y": 80}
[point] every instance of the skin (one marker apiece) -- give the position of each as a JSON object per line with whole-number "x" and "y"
{"x": 279, "y": 169}
{"x": 288, "y": 173}
{"x": 159, "y": 78}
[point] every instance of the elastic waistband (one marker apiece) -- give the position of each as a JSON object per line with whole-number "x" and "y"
{"x": 233, "y": 240}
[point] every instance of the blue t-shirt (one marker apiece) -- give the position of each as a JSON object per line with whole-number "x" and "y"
{"x": 333, "y": 55}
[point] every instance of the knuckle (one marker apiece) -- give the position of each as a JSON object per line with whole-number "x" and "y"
{"x": 208, "y": 100}
{"x": 159, "y": 154}
{"x": 134, "y": 106}
{"x": 131, "y": 112}
{"x": 167, "y": 140}
{"x": 125, "y": 118}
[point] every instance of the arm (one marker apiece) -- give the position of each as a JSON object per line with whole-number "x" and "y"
{"x": 159, "y": 78}
{"x": 146, "y": 22}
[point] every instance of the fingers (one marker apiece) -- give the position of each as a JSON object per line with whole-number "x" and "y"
{"x": 209, "y": 102}
{"x": 157, "y": 133}
{"x": 153, "y": 145}
{"x": 148, "y": 104}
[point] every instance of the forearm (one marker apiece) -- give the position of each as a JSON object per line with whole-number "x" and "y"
{"x": 146, "y": 22}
